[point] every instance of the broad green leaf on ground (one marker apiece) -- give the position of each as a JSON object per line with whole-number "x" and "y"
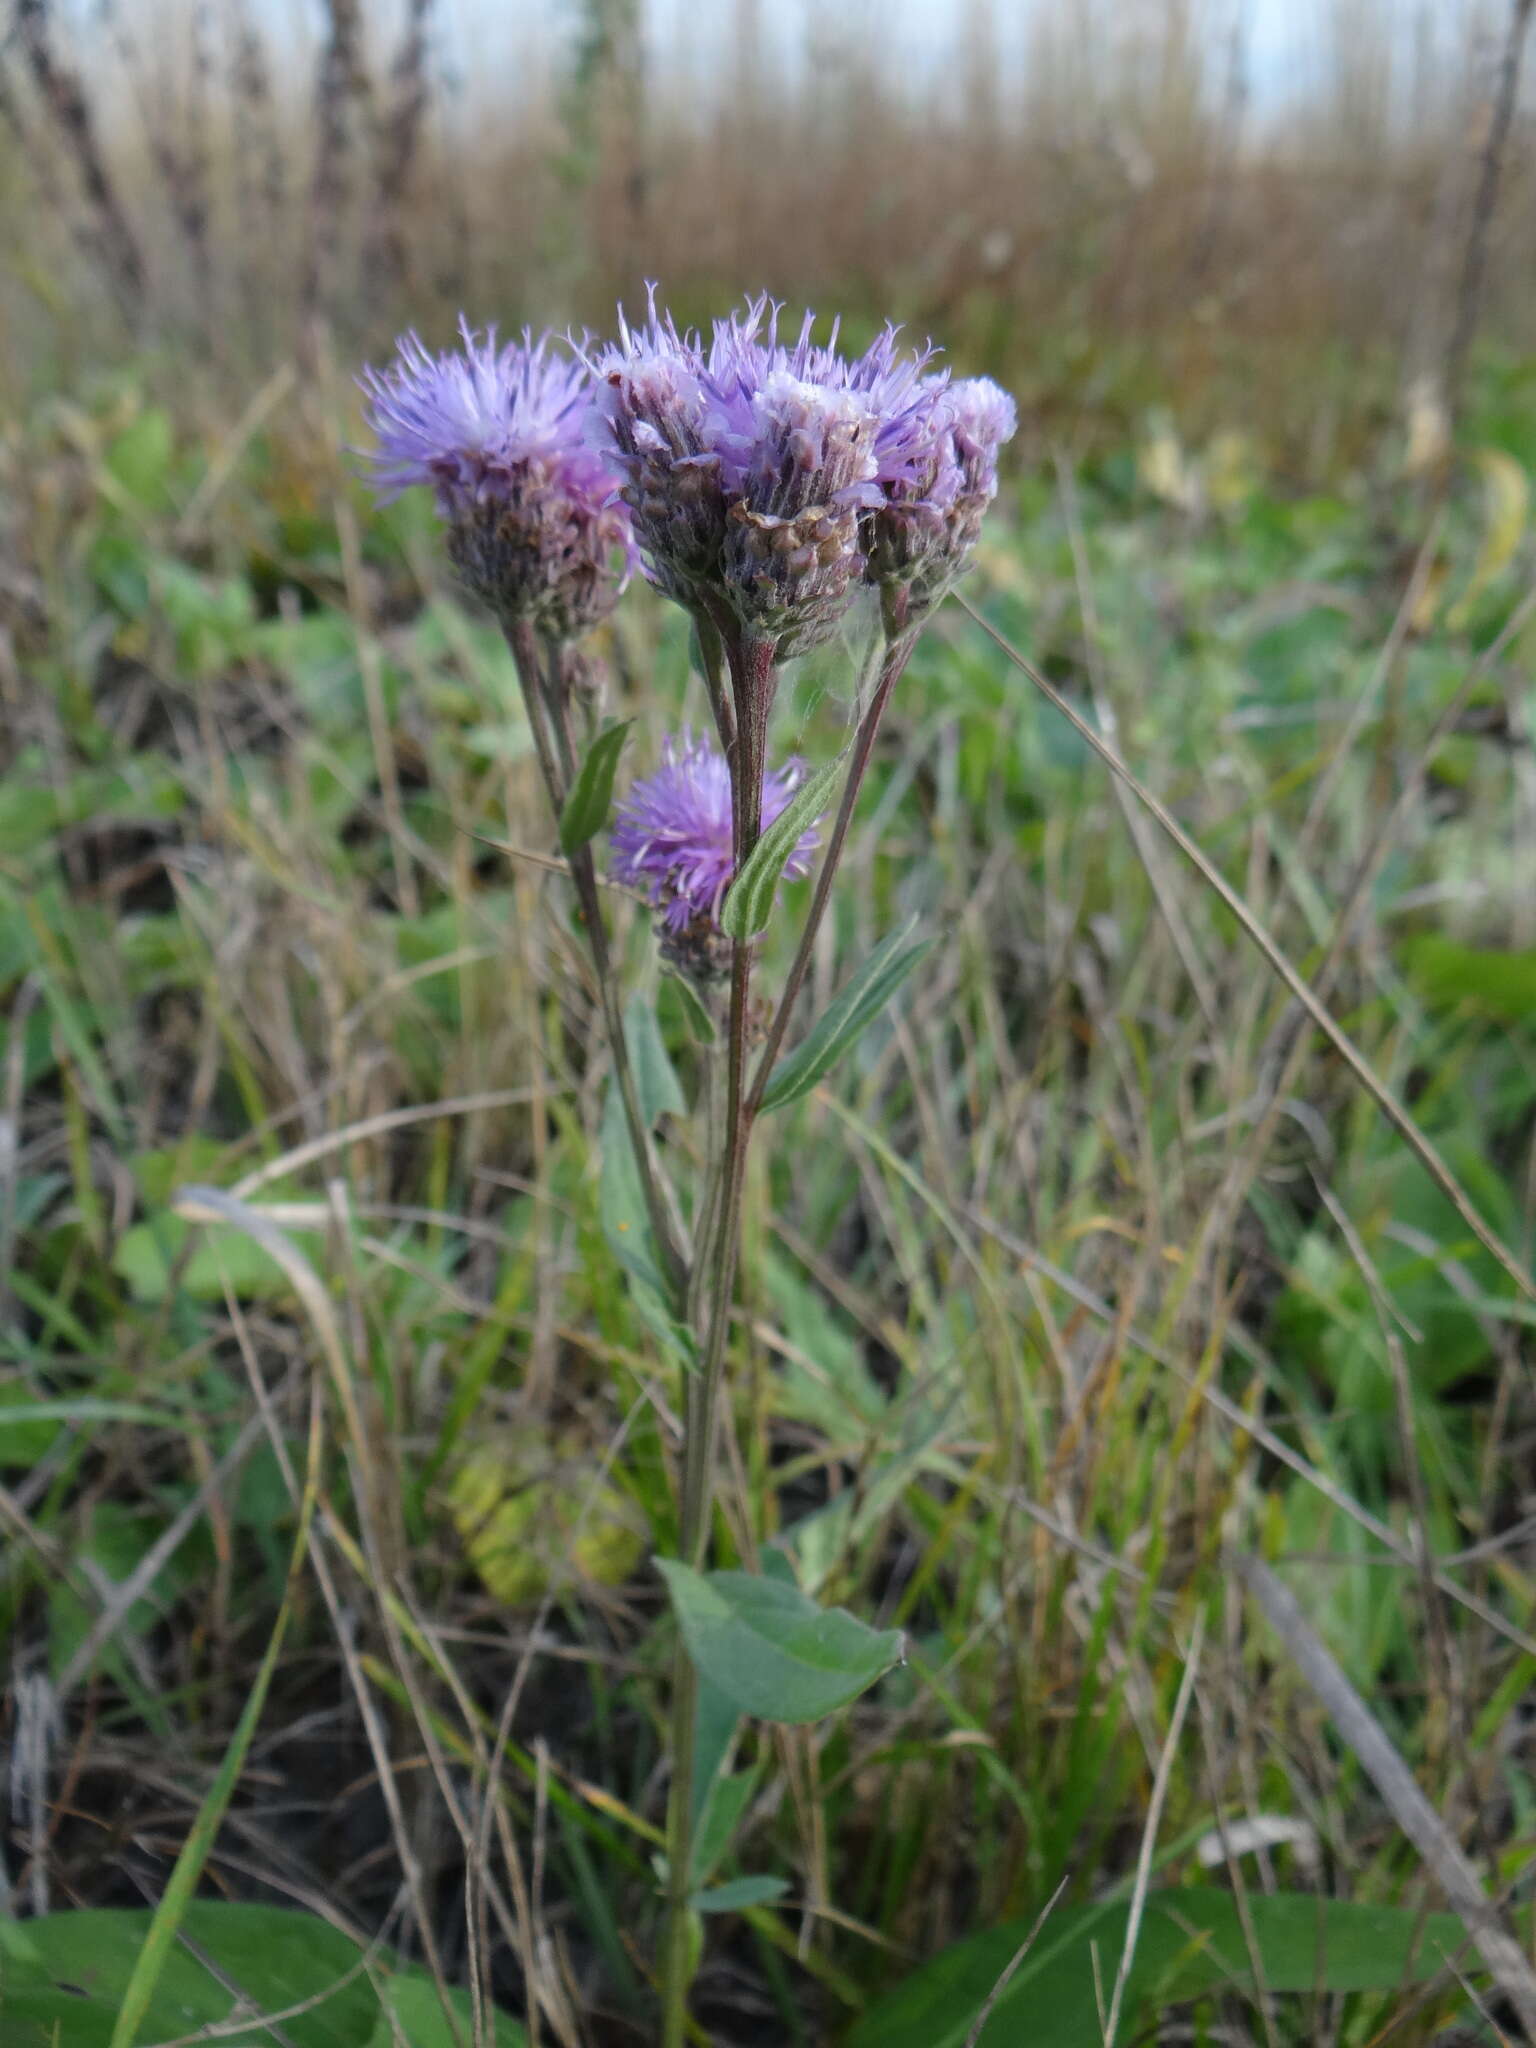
{"x": 749, "y": 900}
{"x": 851, "y": 1010}
{"x": 770, "y": 1649}
{"x": 147, "y": 1254}
{"x": 62, "y": 1980}
{"x": 1191, "y": 1941}
{"x": 586, "y": 808}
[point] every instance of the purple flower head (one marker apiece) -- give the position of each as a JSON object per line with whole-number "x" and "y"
{"x": 672, "y": 840}
{"x": 921, "y": 537}
{"x": 534, "y": 525}
{"x": 749, "y": 462}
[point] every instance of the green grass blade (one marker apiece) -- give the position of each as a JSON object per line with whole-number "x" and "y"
{"x": 168, "y": 1915}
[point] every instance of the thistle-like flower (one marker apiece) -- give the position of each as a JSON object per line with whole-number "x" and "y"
{"x": 535, "y": 528}
{"x": 672, "y": 841}
{"x": 921, "y": 536}
{"x": 748, "y": 463}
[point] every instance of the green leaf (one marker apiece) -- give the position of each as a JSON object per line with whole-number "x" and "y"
{"x": 854, "y": 1007}
{"x": 739, "y": 1893}
{"x": 63, "y": 1977}
{"x": 656, "y": 1082}
{"x": 620, "y": 1193}
{"x": 1502, "y": 984}
{"x": 139, "y": 458}
{"x": 716, "y": 1720}
{"x": 586, "y": 807}
{"x": 416, "y": 2014}
{"x": 700, "y": 1023}
{"x": 749, "y": 900}
{"x": 770, "y": 1649}
{"x": 729, "y": 1798}
{"x": 1191, "y": 1942}
{"x": 147, "y": 1253}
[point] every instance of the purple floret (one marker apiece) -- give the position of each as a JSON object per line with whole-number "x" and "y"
{"x": 500, "y": 433}
{"x": 921, "y": 537}
{"x": 672, "y": 841}
{"x": 748, "y": 463}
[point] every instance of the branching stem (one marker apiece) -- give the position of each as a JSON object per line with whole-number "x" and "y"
{"x": 546, "y": 704}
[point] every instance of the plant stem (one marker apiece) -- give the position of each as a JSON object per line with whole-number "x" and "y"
{"x": 545, "y": 706}
{"x": 752, "y": 679}
{"x": 896, "y": 653}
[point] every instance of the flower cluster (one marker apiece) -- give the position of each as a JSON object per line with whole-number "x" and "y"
{"x": 672, "y": 841}
{"x": 750, "y": 463}
{"x": 534, "y": 525}
{"x": 762, "y": 481}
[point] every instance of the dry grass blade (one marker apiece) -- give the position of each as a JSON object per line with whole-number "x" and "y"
{"x": 1348, "y": 1051}
{"x": 1359, "y": 1728}
{"x": 1014, "y": 1961}
{"x": 367, "y": 1127}
{"x": 1149, "y": 1832}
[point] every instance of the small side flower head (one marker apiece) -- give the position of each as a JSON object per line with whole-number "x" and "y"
{"x": 672, "y": 841}
{"x": 750, "y": 462}
{"x": 534, "y": 526}
{"x": 921, "y": 536}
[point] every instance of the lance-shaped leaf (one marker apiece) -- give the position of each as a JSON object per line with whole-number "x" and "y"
{"x": 770, "y": 1649}
{"x": 738, "y": 1893}
{"x": 586, "y": 807}
{"x": 840, "y": 1024}
{"x": 749, "y": 900}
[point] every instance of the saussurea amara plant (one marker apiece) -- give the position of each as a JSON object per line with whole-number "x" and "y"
{"x": 762, "y": 484}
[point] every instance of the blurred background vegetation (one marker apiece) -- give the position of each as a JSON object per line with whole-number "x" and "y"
{"x": 1108, "y": 203}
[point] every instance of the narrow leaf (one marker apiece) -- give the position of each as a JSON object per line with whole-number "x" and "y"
{"x": 749, "y": 900}
{"x": 700, "y": 1022}
{"x": 715, "y": 1828}
{"x": 586, "y": 807}
{"x": 854, "y": 1007}
{"x": 656, "y": 1082}
{"x": 770, "y": 1649}
{"x": 739, "y": 1893}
